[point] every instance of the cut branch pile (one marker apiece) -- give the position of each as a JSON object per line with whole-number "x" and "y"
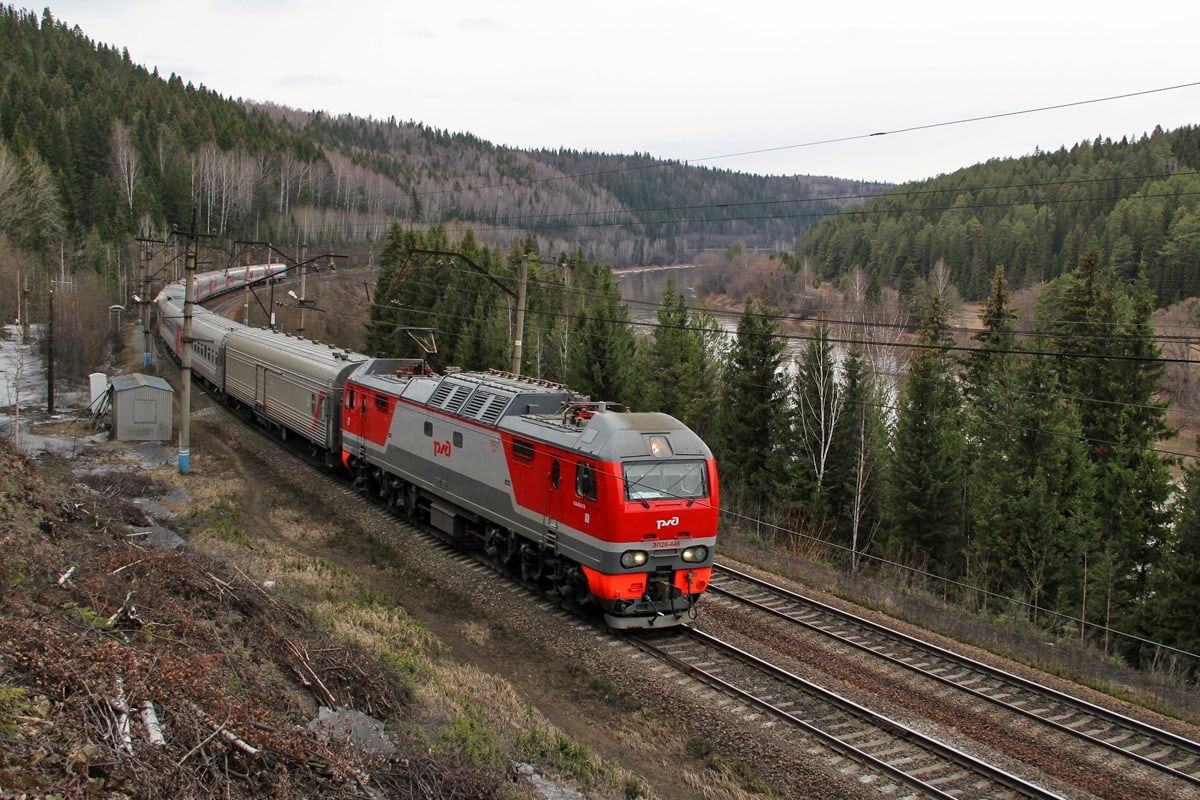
{"x": 128, "y": 671}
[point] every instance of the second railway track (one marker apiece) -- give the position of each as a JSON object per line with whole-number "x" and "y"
{"x": 1173, "y": 756}
{"x": 897, "y": 759}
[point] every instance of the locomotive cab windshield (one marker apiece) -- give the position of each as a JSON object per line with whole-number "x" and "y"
{"x": 665, "y": 480}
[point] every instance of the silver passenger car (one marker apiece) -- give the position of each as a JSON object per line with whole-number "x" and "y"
{"x": 290, "y": 383}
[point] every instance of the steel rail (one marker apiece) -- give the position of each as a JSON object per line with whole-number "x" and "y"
{"x": 972, "y": 767}
{"x": 1182, "y": 748}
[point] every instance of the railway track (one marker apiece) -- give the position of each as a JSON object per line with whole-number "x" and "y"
{"x": 895, "y": 758}
{"x": 1132, "y": 739}
{"x": 886, "y": 754}
{"x": 872, "y": 748}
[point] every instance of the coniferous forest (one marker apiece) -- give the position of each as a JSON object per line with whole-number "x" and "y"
{"x": 1015, "y": 466}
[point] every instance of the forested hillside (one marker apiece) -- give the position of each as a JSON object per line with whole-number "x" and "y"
{"x": 99, "y": 148}
{"x": 1137, "y": 201}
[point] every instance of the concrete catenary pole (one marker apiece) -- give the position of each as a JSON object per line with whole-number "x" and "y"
{"x": 520, "y": 332}
{"x": 50, "y": 353}
{"x": 144, "y": 302}
{"x": 185, "y": 372}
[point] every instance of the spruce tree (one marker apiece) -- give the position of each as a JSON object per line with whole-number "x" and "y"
{"x": 856, "y": 467}
{"x": 669, "y": 356}
{"x": 926, "y": 471}
{"x": 753, "y": 419}
{"x": 995, "y": 340}
{"x": 1174, "y": 606}
{"x": 1109, "y": 363}
{"x": 1030, "y": 490}
{"x": 601, "y": 346}
{"x": 702, "y": 409}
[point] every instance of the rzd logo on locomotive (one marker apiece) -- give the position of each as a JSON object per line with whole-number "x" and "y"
{"x": 668, "y": 523}
{"x": 441, "y": 449}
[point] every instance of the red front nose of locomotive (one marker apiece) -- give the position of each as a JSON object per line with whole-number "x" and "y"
{"x": 658, "y": 540}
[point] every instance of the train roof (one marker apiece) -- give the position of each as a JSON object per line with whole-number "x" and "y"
{"x": 539, "y": 410}
{"x": 297, "y": 354}
{"x": 482, "y": 397}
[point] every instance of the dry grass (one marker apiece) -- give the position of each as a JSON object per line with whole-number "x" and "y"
{"x": 456, "y": 708}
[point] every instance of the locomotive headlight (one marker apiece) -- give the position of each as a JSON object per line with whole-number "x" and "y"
{"x": 694, "y": 555}
{"x": 634, "y": 558}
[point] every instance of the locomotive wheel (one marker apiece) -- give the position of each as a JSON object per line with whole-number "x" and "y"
{"x": 360, "y": 478}
{"x": 493, "y": 543}
{"x": 578, "y": 586}
{"x": 411, "y": 497}
{"x": 508, "y": 547}
{"x": 533, "y": 566}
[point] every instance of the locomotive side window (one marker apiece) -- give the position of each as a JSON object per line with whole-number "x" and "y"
{"x": 585, "y": 481}
{"x": 350, "y": 399}
{"x": 555, "y": 473}
{"x": 429, "y": 429}
{"x": 381, "y": 402}
{"x": 457, "y": 439}
{"x": 665, "y": 480}
{"x": 522, "y": 450}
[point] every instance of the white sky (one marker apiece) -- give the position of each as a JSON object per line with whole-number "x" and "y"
{"x": 695, "y": 80}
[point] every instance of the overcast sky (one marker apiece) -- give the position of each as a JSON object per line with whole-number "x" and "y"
{"x": 698, "y": 81}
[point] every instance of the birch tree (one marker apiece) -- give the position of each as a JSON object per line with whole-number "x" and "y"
{"x": 126, "y": 165}
{"x": 817, "y": 404}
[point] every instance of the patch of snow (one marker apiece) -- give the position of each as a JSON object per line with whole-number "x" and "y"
{"x": 355, "y": 727}
{"x": 548, "y": 789}
{"x": 23, "y": 394}
{"x": 22, "y": 373}
{"x": 156, "y": 536}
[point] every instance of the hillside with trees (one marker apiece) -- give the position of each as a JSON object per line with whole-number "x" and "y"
{"x": 121, "y": 150}
{"x": 96, "y": 150}
{"x": 1138, "y": 201}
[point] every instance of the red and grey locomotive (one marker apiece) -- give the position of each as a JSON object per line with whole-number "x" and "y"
{"x": 598, "y": 504}
{"x": 616, "y": 507}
